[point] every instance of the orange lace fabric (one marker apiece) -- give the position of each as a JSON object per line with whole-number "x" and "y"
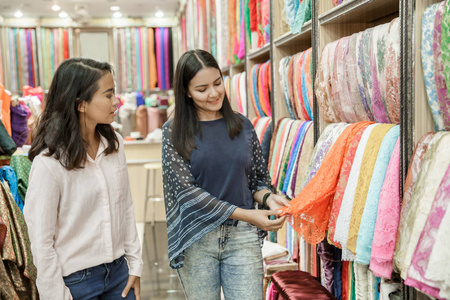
{"x": 310, "y": 211}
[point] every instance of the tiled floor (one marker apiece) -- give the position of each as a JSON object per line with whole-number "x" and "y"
{"x": 158, "y": 281}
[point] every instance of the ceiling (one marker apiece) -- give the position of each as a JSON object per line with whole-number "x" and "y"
{"x": 93, "y": 8}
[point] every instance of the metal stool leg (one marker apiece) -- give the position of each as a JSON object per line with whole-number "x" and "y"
{"x": 154, "y": 230}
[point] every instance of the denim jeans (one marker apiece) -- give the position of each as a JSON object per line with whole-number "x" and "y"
{"x": 228, "y": 257}
{"x": 105, "y": 281}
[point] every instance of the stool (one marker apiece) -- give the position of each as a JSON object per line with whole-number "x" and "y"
{"x": 299, "y": 285}
{"x": 153, "y": 198}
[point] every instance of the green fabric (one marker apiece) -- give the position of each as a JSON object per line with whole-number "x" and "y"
{"x": 352, "y": 290}
{"x": 22, "y": 166}
{"x": 247, "y": 21}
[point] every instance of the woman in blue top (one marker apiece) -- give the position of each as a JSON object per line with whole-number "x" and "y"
{"x": 214, "y": 174}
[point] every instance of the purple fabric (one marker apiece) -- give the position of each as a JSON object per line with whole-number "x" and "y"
{"x": 19, "y": 129}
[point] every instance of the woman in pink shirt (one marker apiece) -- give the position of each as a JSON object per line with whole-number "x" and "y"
{"x": 78, "y": 208}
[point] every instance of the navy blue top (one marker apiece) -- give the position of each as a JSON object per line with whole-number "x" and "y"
{"x": 222, "y": 165}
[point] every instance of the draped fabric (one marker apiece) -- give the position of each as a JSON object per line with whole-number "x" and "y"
{"x": 368, "y": 60}
{"x": 432, "y": 171}
{"x": 342, "y": 184}
{"x": 23, "y": 57}
{"x": 364, "y": 181}
{"x": 388, "y": 215}
{"x": 378, "y": 180}
{"x": 17, "y": 272}
{"x": 55, "y": 49}
{"x": 145, "y": 58}
{"x": 310, "y": 210}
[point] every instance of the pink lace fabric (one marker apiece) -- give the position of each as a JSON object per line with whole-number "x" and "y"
{"x": 336, "y": 57}
{"x": 342, "y": 81}
{"x": 378, "y": 65}
{"x": 420, "y": 260}
{"x": 433, "y": 169}
{"x": 323, "y": 86}
{"x": 393, "y": 71}
{"x": 388, "y": 216}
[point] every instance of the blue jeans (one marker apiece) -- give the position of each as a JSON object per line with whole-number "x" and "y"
{"x": 105, "y": 281}
{"x": 228, "y": 257}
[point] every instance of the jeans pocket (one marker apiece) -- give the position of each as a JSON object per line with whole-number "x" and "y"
{"x": 75, "y": 278}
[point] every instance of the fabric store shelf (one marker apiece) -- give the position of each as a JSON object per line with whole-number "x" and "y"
{"x": 360, "y": 11}
{"x": 290, "y": 38}
{"x": 259, "y": 53}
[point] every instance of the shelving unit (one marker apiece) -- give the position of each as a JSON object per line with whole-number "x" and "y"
{"x": 330, "y": 23}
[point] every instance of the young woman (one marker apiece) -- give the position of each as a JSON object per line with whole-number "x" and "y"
{"x": 78, "y": 208}
{"x": 213, "y": 173}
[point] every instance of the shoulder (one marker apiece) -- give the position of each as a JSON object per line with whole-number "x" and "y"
{"x": 167, "y": 129}
{"x": 246, "y": 123}
{"x": 45, "y": 163}
{"x": 120, "y": 139}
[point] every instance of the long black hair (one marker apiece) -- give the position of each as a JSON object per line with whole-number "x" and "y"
{"x": 185, "y": 122}
{"x": 58, "y": 129}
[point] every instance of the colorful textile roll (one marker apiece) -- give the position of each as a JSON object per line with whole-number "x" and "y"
{"x": 260, "y": 89}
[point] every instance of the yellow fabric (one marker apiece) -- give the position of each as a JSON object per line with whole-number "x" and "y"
{"x": 367, "y": 166}
{"x": 281, "y": 235}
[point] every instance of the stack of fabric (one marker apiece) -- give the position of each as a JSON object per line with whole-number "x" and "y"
{"x": 238, "y": 92}
{"x": 436, "y": 62}
{"x": 296, "y": 73}
{"x": 297, "y": 13}
{"x": 358, "y": 76}
{"x": 260, "y": 88}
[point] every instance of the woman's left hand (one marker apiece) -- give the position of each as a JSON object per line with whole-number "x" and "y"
{"x": 275, "y": 202}
{"x": 135, "y": 283}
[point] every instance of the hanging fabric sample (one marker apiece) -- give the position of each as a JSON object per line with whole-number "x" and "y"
{"x": 23, "y": 58}
{"x": 260, "y": 89}
{"x": 54, "y": 49}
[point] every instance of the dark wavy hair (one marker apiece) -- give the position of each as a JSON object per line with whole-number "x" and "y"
{"x": 185, "y": 123}
{"x": 58, "y": 128}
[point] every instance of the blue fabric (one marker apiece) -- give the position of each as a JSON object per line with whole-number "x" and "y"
{"x": 105, "y": 281}
{"x": 228, "y": 256}
{"x": 296, "y": 149}
{"x": 192, "y": 211}
{"x": 305, "y": 91}
{"x": 7, "y": 173}
{"x": 30, "y": 60}
{"x": 337, "y": 273}
{"x": 139, "y": 99}
{"x": 369, "y": 216}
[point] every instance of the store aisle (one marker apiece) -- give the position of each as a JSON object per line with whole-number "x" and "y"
{"x": 159, "y": 281}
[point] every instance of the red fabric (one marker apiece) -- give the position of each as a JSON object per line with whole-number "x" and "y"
{"x": 344, "y": 280}
{"x": 253, "y": 13}
{"x": 66, "y": 43}
{"x": 299, "y": 285}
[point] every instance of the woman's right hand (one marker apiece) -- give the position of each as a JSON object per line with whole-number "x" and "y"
{"x": 260, "y": 218}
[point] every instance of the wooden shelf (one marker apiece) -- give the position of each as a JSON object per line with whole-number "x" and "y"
{"x": 260, "y": 53}
{"x": 225, "y": 70}
{"x": 290, "y": 38}
{"x": 360, "y": 11}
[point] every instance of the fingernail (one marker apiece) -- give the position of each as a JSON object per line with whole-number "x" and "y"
{"x": 123, "y": 295}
